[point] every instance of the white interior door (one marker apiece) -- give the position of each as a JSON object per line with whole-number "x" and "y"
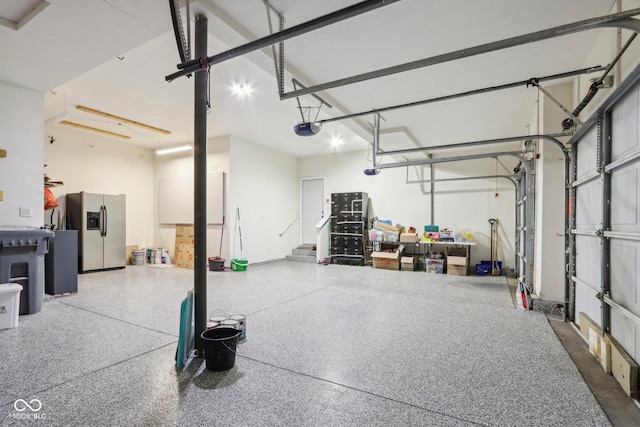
{"x": 312, "y": 208}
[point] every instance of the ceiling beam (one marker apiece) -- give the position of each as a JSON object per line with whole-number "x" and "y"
{"x": 618, "y": 20}
{"x": 121, "y": 119}
{"x": 92, "y": 129}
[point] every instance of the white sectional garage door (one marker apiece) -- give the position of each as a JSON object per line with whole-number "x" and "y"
{"x": 607, "y": 222}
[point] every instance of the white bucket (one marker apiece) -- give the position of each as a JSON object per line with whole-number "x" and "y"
{"x": 157, "y": 256}
{"x": 138, "y": 257}
{"x": 229, "y": 323}
{"x": 242, "y": 324}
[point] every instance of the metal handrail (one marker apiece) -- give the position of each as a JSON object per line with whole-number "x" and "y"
{"x": 288, "y": 226}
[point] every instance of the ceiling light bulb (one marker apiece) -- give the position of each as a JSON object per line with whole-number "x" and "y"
{"x": 241, "y": 89}
{"x": 336, "y": 141}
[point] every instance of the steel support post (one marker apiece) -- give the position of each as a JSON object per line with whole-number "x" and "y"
{"x": 200, "y": 185}
{"x": 432, "y": 176}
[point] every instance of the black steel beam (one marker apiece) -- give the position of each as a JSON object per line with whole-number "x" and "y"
{"x": 468, "y": 93}
{"x": 618, "y": 20}
{"x": 314, "y": 24}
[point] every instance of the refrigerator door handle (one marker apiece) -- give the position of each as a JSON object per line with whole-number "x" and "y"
{"x": 106, "y": 221}
{"x": 102, "y": 221}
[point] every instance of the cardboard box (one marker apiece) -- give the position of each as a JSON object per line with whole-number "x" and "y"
{"x": 185, "y": 231}
{"x": 457, "y": 261}
{"x": 185, "y": 260}
{"x": 457, "y": 256}
{"x": 409, "y": 237}
{"x": 129, "y": 253}
{"x": 408, "y": 263}
{"x": 456, "y": 270}
{"x": 386, "y": 260}
{"x": 183, "y": 250}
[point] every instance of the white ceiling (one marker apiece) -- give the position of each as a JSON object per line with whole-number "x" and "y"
{"x": 113, "y": 55}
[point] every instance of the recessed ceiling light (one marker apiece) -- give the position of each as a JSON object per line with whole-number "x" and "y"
{"x": 336, "y": 141}
{"x": 241, "y": 89}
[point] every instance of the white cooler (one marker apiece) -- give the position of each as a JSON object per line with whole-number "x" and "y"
{"x": 9, "y": 305}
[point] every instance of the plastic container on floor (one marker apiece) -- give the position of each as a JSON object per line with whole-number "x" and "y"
{"x": 220, "y": 348}
{"x": 216, "y": 264}
{"x": 9, "y": 305}
{"x": 484, "y": 268}
{"x": 138, "y": 257}
{"x": 239, "y": 264}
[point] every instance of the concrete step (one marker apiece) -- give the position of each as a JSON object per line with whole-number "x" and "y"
{"x": 301, "y": 258}
{"x": 303, "y": 251}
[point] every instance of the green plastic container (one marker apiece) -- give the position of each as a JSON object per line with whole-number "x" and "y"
{"x": 239, "y": 264}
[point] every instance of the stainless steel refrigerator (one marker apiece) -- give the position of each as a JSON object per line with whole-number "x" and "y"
{"x": 101, "y": 223}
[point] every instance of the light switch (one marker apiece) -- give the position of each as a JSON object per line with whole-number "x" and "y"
{"x": 26, "y": 212}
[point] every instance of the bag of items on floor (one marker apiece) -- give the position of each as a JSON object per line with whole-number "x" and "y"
{"x": 523, "y": 297}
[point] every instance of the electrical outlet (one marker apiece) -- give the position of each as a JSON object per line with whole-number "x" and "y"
{"x": 26, "y": 212}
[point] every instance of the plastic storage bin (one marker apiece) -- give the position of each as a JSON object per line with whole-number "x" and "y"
{"x": 22, "y": 251}
{"x": 9, "y": 305}
{"x": 239, "y": 264}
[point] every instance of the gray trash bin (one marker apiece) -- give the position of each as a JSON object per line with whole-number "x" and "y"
{"x": 22, "y": 252}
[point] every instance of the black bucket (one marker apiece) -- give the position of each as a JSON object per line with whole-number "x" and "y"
{"x": 220, "y": 348}
{"x": 216, "y": 264}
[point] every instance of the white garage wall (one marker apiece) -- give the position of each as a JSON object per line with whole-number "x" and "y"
{"x": 180, "y": 165}
{"x": 89, "y": 162}
{"x": 550, "y": 202}
{"x": 264, "y": 185}
{"x": 459, "y": 205}
{"x": 21, "y": 128}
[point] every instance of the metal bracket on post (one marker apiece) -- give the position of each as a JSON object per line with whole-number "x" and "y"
{"x": 557, "y": 103}
{"x": 605, "y": 83}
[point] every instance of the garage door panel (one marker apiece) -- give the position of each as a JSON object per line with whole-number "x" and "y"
{"x": 625, "y": 266}
{"x": 588, "y": 264}
{"x": 587, "y": 158}
{"x": 626, "y": 332}
{"x": 624, "y": 127}
{"x": 587, "y": 303}
{"x": 625, "y": 214}
{"x": 589, "y": 206}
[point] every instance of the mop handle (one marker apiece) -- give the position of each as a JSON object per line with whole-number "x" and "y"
{"x": 239, "y": 229}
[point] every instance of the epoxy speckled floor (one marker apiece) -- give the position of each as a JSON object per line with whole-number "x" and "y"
{"x": 326, "y": 346}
